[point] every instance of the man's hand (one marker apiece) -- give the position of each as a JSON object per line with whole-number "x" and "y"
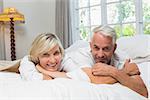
{"x": 102, "y": 69}
{"x": 131, "y": 68}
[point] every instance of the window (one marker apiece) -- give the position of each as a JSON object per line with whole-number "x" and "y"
{"x": 146, "y": 16}
{"x": 127, "y": 17}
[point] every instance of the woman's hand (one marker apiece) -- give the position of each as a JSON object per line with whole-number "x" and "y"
{"x": 44, "y": 72}
{"x": 41, "y": 70}
{"x": 53, "y": 74}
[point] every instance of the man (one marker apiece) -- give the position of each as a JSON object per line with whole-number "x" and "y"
{"x": 102, "y": 64}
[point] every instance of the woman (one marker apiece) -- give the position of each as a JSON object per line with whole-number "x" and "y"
{"x": 44, "y": 61}
{"x": 46, "y": 52}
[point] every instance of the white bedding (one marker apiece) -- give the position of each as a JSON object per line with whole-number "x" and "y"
{"x": 64, "y": 89}
{"x": 13, "y": 88}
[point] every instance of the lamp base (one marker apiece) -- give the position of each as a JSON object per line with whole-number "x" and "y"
{"x": 12, "y": 40}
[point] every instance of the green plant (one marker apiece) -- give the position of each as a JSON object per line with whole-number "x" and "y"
{"x": 83, "y": 31}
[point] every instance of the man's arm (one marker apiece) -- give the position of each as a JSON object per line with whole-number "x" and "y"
{"x": 98, "y": 79}
{"x": 129, "y": 68}
{"x": 133, "y": 82}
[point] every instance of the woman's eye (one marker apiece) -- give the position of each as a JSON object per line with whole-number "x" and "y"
{"x": 57, "y": 53}
{"x": 45, "y": 54}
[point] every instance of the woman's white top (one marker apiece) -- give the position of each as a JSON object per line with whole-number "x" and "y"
{"x": 71, "y": 64}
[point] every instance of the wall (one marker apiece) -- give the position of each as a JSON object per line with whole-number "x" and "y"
{"x": 39, "y": 17}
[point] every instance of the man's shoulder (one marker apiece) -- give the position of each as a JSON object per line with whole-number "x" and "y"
{"x": 120, "y": 55}
{"x": 119, "y": 58}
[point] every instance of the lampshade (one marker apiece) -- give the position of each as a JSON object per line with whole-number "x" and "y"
{"x": 11, "y": 13}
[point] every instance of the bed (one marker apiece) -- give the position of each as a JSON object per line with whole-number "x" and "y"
{"x": 12, "y": 87}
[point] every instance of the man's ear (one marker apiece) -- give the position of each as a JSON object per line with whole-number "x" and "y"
{"x": 115, "y": 46}
{"x": 90, "y": 44}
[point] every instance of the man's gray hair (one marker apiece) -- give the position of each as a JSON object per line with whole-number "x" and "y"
{"x": 106, "y": 31}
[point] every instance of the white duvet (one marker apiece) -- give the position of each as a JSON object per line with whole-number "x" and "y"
{"x": 64, "y": 89}
{"x": 12, "y": 87}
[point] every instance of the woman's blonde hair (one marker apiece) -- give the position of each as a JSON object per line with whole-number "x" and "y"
{"x": 42, "y": 44}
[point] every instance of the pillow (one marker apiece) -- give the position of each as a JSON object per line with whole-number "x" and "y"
{"x": 144, "y": 68}
{"x": 11, "y": 66}
{"x": 76, "y": 45}
{"x": 4, "y": 76}
{"x": 145, "y": 72}
{"x": 137, "y": 46}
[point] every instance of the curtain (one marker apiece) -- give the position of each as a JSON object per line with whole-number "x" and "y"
{"x": 2, "y": 40}
{"x": 63, "y": 22}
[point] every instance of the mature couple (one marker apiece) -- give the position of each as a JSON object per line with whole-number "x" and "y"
{"x": 99, "y": 64}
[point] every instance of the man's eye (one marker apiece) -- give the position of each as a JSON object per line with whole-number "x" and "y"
{"x": 96, "y": 48}
{"x": 107, "y": 49}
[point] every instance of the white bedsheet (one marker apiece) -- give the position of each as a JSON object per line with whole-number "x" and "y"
{"x": 64, "y": 89}
{"x": 13, "y": 88}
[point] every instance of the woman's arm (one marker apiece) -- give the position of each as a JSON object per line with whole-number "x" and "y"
{"x": 28, "y": 70}
{"x": 46, "y": 77}
{"x": 51, "y": 74}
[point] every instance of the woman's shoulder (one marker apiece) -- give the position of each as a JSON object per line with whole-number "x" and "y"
{"x": 26, "y": 59}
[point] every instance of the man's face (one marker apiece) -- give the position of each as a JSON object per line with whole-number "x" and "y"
{"x": 102, "y": 48}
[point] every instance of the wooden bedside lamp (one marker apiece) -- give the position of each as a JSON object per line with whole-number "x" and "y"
{"x": 11, "y": 15}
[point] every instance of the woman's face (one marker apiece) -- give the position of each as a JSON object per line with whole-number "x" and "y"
{"x": 51, "y": 60}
